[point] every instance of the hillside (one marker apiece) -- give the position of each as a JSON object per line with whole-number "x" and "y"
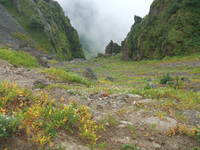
{"x": 146, "y": 105}
{"x": 38, "y": 25}
{"x": 104, "y": 103}
{"x": 171, "y": 28}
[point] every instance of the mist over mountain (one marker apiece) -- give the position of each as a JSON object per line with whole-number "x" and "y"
{"x": 100, "y": 21}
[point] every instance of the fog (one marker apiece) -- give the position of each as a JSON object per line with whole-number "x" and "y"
{"x": 99, "y": 21}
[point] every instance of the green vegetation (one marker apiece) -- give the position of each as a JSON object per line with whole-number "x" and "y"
{"x": 5, "y": 2}
{"x": 165, "y": 79}
{"x": 61, "y": 74}
{"x": 198, "y": 134}
{"x": 133, "y": 77}
{"x": 41, "y": 117}
{"x": 18, "y": 58}
{"x": 8, "y": 126}
{"x": 47, "y": 27}
{"x": 128, "y": 147}
{"x": 196, "y": 148}
{"x": 165, "y": 32}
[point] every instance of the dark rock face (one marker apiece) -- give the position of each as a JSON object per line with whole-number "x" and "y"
{"x": 9, "y": 25}
{"x": 171, "y": 28}
{"x": 40, "y": 25}
{"x": 112, "y": 49}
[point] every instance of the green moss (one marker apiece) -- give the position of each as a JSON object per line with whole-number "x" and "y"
{"x": 171, "y": 28}
{"x": 18, "y": 58}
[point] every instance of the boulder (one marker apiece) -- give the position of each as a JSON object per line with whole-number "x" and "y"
{"x": 193, "y": 117}
{"x": 161, "y": 124}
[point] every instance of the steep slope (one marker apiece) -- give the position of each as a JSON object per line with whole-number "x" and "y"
{"x": 39, "y": 24}
{"x": 171, "y": 28}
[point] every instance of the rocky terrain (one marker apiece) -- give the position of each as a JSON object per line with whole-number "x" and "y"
{"x": 130, "y": 120}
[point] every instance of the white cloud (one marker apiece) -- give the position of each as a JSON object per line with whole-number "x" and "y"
{"x": 103, "y": 20}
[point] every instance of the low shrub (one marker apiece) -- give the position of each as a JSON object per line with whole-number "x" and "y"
{"x": 165, "y": 79}
{"x": 43, "y": 121}
{"x": 8, "y": 125}
{"x": 13, "y": 98}
{"x": 41, "y": 117}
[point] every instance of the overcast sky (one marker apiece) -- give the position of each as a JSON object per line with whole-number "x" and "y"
{"x": 99, "y": 21}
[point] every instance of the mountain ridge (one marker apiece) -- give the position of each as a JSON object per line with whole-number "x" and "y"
{"x": 170, "y": 28}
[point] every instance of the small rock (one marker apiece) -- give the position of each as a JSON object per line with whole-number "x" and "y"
{"x": 134, "y": 96}
{"x": 124, "y": 124}
{"x": 151, "y": 139}
{"x": 123, "y": 140}
{"x": 156, "y": 145}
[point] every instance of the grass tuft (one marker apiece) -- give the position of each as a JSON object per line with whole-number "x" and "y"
{"x": 61, "y": 74}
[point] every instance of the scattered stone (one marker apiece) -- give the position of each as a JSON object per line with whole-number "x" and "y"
{"x": 193, "y": 117}
{"x": 133, "y": 97}
{"x": 90, "y": 74}
{"x": 145, "y": 101}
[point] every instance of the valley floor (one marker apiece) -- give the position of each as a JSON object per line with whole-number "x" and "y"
{"x": 146, "y": 105}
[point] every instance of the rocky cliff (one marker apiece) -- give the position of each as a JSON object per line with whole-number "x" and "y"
{"x": 112, "y": 49}
{"x": 172, "y": 27}
{"x": 38, "y": 25}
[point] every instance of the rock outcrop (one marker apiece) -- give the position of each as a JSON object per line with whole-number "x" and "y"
{"x": 38, "y": 25}
{"x": 112, "y": 49}
{"x": 171, "y": 28}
